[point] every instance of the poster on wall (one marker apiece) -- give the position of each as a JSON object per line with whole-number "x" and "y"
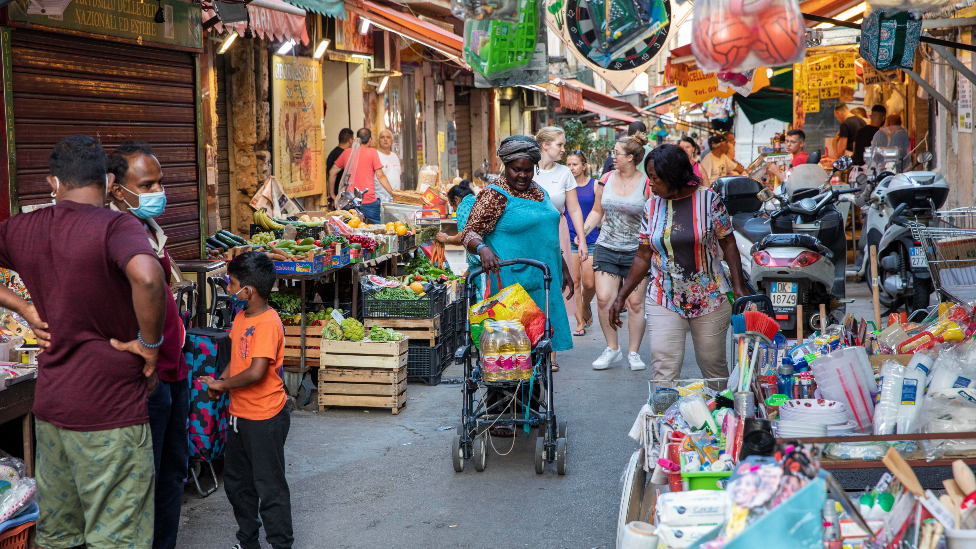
{"x": 297, "y": 114}
{"x": 964, "y": 88}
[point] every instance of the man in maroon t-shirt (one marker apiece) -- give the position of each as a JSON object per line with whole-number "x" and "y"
{"x": 95, "y": 283}
{"x": 138, "y": 190}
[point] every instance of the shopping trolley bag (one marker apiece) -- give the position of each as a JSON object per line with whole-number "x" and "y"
{"x": 207, "y": 351}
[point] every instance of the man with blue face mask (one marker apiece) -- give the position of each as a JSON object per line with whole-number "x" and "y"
{"x": 138, "y": 190}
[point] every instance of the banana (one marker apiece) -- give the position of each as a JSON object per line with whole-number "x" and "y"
{"x": 272, "y": 223}
{"x": 258, "y": 220}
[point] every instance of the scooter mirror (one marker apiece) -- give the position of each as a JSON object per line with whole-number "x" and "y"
{"x": 843, "y": 163}
{"x": 765, "y": 195}
{"x": 925, "y": 157}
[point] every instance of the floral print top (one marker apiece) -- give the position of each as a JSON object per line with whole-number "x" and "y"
{"x": 686, "y": 269}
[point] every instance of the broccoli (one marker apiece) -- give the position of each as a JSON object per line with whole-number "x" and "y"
{"x": 332, "y": 331}
{"x": 353, "y": 330}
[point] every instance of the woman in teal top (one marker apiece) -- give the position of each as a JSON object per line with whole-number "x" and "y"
{"x": 514, "y": 219}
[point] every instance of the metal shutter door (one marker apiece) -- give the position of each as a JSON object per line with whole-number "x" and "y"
{"x": 223, "y": 156}
{"x": 64, "y": 85}
{"x": 462, "y": 112}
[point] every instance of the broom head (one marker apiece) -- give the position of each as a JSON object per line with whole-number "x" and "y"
{"x": 759, "y": 324}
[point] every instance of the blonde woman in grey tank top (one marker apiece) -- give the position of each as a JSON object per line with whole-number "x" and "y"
{"x": 619, "y": 203}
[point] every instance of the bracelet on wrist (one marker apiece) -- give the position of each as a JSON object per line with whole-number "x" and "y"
{"x": 148, "y": 346}
{"x": 478, "y": 249}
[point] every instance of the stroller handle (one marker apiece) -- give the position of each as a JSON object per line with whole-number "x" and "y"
{"x": 547, "y": 276}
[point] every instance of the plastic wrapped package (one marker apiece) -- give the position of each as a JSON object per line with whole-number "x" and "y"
{"x": 948, "y": 411}
{"x": 840, "y": 377}
{"x": 955, "y": 368}
{"x": 696, "y": 413}
{"x": 17, "y": 498}
{"x": 868, "y": 451}
{"x": 886, "y": 411}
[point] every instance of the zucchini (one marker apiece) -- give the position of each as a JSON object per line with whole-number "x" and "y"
{"x": 227, "y": 242}
{"x": 303, "y": 249}
{"x": 216, "y": 243}
{"x": 308, "y": 242}
{"x": 240, "y": 240}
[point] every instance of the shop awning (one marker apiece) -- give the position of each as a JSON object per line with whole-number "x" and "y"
{"x": 603, "y": 99}
{"x": 409, "y": 25}
{"x": 332, "y": 8}
{"x": 590, "y": 106}
{"x": 270, "y": 19}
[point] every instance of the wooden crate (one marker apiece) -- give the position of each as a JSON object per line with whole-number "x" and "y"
{"x": 413, "y": 328}
{"x": 366, "y": 374}
{"x": 293, "y": 341}
{"x": 390, "y": 355}
{"x": 363, "y": 387}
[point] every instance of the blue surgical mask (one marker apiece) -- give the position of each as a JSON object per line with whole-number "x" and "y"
{"x": 238, "y": 303}
{"x": 150, "y": 204}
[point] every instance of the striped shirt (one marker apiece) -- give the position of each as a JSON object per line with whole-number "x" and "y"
{"x": 686, "y": 268}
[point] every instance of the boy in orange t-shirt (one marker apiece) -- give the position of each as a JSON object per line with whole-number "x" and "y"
{"x": 254, "y": 463}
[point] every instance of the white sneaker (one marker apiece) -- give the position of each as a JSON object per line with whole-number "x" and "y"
{"x": 635, "y": 362}
{"x": 608, "y": 357}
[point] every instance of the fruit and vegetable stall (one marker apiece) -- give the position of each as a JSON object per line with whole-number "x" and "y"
{"x": 363, "y": 306}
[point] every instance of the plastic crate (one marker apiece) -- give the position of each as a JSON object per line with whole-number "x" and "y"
{"x": 495, "y": 46}
{"x": 706, "y": 480}
{"x": 16, "y": 537}
{"x": 303, "y": 232}
{"x": 425, "y": 364}
{"x": 429, "y": 306}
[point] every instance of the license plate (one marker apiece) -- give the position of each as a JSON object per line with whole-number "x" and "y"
{"x": 783, "y": 294}
{"x": 918, "y": 257}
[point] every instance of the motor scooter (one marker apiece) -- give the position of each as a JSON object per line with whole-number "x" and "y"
{"x": 899, "y": 201}
{"x": 796, "y": 253}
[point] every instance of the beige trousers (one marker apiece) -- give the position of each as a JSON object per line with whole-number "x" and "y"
{"x": 667, "y": 329}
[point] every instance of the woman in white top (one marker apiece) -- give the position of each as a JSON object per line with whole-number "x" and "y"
{"x": 559, "y": 182}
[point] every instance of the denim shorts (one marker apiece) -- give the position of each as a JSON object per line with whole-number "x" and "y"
{"x": 590, "y": 246}
{"x": 613, "y": 262}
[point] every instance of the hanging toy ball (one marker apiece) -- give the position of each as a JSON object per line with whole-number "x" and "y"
{"x": 778, "y": 36}
{"x": 748, "y": 7}
{"x": 721, "y": 39}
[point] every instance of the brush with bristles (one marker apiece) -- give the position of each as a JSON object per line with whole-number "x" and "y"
{"x": 739, "y": 330}
{"x": 759, "y": 327}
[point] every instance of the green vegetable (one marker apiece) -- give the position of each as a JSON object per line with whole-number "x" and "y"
{"x": 216, "y": 243}
{"x": 402, "y": 294}
{"x": 286, "y": 244}
{"x": 303, "y": 249}
{"x": 420, "y": 264}
{"x": 308, "y": 242}
{"x": 262, "y": 239}
{"x": 240, "y": 241}
{"x": 429, "y": 233}
{"x": 353, "y": 330}
{"x": 290, "y": 303}
{"x": 332, "y": 331}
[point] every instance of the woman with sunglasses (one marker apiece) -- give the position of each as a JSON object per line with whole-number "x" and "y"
{"x": 582, "y": 270}
{"x": 619, "y": 201}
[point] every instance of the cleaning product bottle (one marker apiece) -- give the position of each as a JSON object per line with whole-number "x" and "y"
{"x": 523, "y": 355}
{"x": 506, "y": 353}
{"x": 912, "y": 390}
{"x": 784, "y": 378}
{"x": 490, "y": 355}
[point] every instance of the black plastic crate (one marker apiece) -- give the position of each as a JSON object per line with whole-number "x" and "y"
{"x": 429, "y": 306}
{"x": 303, "y": 232}
{"x": 425, "y": 364}
{"x": 448, "y": 319}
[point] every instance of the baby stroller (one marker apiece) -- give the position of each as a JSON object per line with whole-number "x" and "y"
{"x": 521, "y": 403}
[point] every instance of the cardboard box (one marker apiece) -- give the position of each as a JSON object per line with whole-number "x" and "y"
{"x": 315, "y": 266}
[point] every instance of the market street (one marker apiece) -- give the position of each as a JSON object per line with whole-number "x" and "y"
{"x": 377, "y": 480}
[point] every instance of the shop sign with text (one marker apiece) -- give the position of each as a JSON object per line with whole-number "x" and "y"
{"x": 124, "y": 19}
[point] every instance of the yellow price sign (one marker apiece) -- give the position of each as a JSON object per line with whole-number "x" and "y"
{"x": 829, "y": 93}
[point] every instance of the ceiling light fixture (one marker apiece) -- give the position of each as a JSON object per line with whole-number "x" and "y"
{"x": 845, "y": 15}
{"x": 364, "y": 27}
{"x": 227, "y": 42}
{"x": 286, "y": 47}
{"x": 160, "y": 17}
{"x": 320, "y": 49}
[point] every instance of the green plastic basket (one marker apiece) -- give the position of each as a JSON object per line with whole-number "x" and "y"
{"x": 496, "y": 46}
{"x": 476, "y": 334}
{"x": 705, "y": 480}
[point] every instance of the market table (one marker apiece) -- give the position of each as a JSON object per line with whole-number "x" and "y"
{"x": 16, "y": 403}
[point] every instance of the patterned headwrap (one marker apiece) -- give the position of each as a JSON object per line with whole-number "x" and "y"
{"x": 517, "y": 147}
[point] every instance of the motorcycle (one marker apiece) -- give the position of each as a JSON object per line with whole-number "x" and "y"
{"x": 912, "y": 197}
{"x": 792, "y": 245}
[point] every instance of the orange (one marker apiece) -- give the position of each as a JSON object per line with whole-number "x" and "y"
{"x": 401, "y": 230}
{"x": 354, "y": 223}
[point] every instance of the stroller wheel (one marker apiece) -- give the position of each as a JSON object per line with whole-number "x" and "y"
{"x": 561, "y": 456}
{"x": 540, "y": 455}
{"x": 457, "y": 454}
{"x": 562, "y": 430}
{"x": 479, "y": 453}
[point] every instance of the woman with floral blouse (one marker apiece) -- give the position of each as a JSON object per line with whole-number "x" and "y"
{"x": 684, "y": 235}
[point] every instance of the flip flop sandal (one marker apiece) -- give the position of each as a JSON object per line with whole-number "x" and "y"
{"x": 587, "y": 322}
{"x": 580, "y": 332}
{"x": 555, "y": 367}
